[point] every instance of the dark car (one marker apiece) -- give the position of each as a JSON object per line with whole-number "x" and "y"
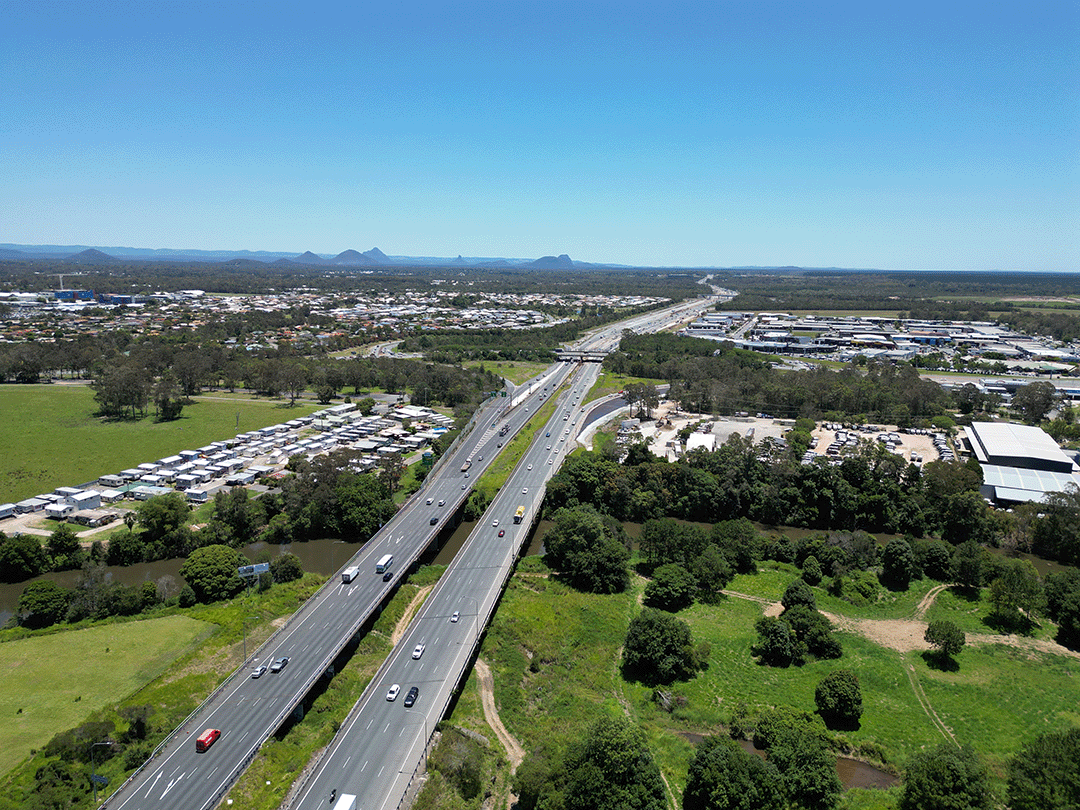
{"x": 411, "y": 696}
{"x": 279, "y": 665}
{"x": 389, "y": 575}
{"x": 433, "y": 521}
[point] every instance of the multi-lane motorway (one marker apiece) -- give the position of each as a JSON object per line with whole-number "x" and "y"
{"x": 248, "y": 710}
{"x": 379, "y": 748}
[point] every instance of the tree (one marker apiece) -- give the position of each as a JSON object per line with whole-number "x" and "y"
{"x": 585, "y": 550}
{"x": 712, "y": 571}
{"x": 839, "y": 699}
{"x": 64, "y": 548}
{"x": 659, "y": 648}
{"x": 42, "y": 603}
{"x": 946, "y": 778}
{"x": 21, "y": 557}
{"x": 1035, "y": 400}
{"x": 722, "y": 776}
{"x": 898, "y": 566}
{"x": 811, "y": 570}
{"x": 613, "y": 769}
{"x": 211, "y": 572}
{"x": 167, "y": 398}
{"x": 1045, "y": 773}
{"x": 798, "y": 593}
{"x": 672, "y": 588}
{"x": 1017, "y": 592}
{"x": 807, "y": 770}
{"x": 945, "y": 637}
{"x": 968, "y": 565}
{"x": 777, "y": 645}
{"x": 286, "y": 568}
{"x": 161, "y": 515}
{"x": 813, "y": 631}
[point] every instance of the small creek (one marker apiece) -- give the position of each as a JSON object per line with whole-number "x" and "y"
{"x": 852, "y": 772}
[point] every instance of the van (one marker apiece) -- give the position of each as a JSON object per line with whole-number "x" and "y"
{"x": 206, "y": 739}
{"x": 384, "y": 563}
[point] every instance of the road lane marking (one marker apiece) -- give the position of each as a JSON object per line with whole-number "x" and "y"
{"x": 386, "y": 729}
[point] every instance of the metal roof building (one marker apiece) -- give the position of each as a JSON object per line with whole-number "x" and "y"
{"x": 1019, "y": 463}
{"x": 1007, "y": 445}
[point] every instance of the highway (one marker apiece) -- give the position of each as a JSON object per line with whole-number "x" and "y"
{"x": 378, "y": 749}
{"x": 248, "y": 711}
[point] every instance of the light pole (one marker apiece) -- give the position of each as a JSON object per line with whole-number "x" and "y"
{"x": 424, "y": 741}
{"x": 93, "y": 765}
{"x": 333, "y": 555}
{"x": 476, "y": 616}
{"x": 244, "y": 622}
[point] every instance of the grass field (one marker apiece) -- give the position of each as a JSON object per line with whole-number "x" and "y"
{"x": 51, "y": 437}
{"x": 515, "y": 371}
{"x": 555, "y": 655}
{"x": 53, "y": 681}
{"x": 608, "y": 383}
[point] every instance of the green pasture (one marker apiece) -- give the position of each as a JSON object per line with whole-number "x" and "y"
{"x": 517, "y": 371}
{"x": 51, "y": 437}
{"x": 555, "y": 655}
{"x": 608, "y": 383}
{"x": 53, "y": 681}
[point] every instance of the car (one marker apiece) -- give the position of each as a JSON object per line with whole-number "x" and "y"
{"x": 279, "y": 665}
{"x": 495, "y": 522}
{"x": 463, "y": 486}
{"x": 479, "y": 458}
{"x": 548, "y": 434}
{"x": 456, "y": 615}
{"x": 524, "y": 490}
{"x": 430, "y": 501}
{"x": 502, "y": 532}
{"x": 389, "y": 575}
{"x": 259, "y": 671}
{"x": 411, "y": 696}
{"x": 548, "y": 447}
{"x": 393, "y": 693}
{"x": 466, "y": 475}
{"x": 550, "y": 460}
{"x": 526, "y": 410}
{"x": 418, "y": 650}
{"x": 434, "y": 521}
{"x": 500, "y": 444}
{"x": 529, "y": 467}
{"x": 442, "y": 503}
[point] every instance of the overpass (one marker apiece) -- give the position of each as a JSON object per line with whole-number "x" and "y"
{"x": 576, "y": 356}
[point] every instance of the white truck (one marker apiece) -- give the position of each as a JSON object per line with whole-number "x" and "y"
{"x": 346, "y": 801}
{"x": 349, "y": 574}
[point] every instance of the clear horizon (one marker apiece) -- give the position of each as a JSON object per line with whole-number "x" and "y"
{"x": 711, "y": 134}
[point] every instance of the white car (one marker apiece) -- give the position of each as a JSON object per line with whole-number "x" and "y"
{"x": 524, "y": 490}
{"x": 430, "y": 501}
{"x": 455, "y": 617}
{"x": 529, "y": 467}
{"x": 495, "y": 522}
{"x": 393, "y": 693}
{"x": 418, "y": 650}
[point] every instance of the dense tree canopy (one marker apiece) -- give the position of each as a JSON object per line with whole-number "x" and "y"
{"x": 839, "y": 698}
{"x": 613, "y": 769}
{"x": 211, "y": 572}
{"x": 659, "y": 648}
{"x": 43, "y": 603}
{"x": 1045, "y": 773}
{"x": 724, "y": 777}
{"x": 945, "y": 778}
{"x": 587, "y": 551}
{"x": 672, "y": 588}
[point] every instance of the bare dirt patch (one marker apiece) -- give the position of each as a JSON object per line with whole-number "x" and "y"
{"x": 403, "y": 623}
{"x": 514, "y": 752}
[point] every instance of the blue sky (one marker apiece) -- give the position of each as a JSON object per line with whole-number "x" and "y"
{"x": 936, "y": 135}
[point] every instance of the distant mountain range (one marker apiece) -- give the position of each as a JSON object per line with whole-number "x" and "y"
{"x": 83, "y": 254}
